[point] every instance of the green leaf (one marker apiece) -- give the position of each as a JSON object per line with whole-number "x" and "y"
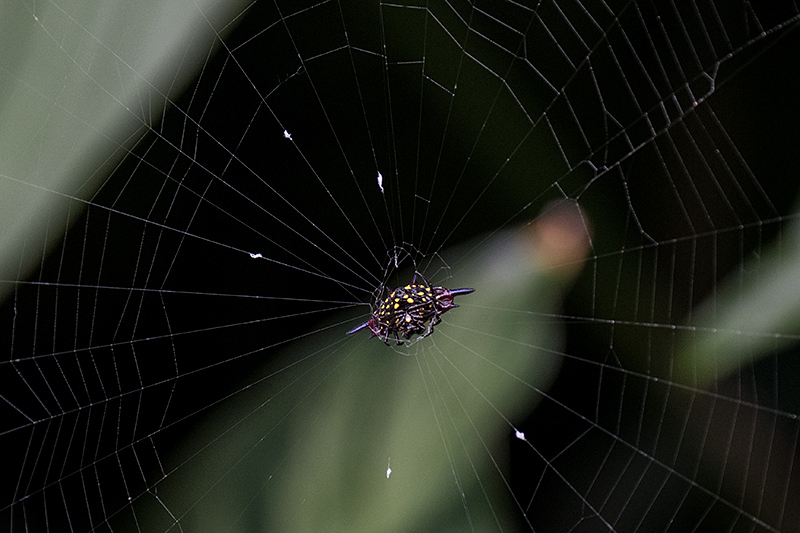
{"x": 309, "y": 444}
{"x": 753, "y": 313}
{"x": 80, "y": 83}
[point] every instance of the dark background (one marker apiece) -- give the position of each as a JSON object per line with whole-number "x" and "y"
{"x": 177, "y": 269}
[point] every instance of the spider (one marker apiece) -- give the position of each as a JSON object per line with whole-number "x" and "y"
{"x": 406, "y": 311}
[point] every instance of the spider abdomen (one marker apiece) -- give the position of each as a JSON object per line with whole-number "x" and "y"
{"x": 413, "y": 309}
{"x": 407, "y": 309}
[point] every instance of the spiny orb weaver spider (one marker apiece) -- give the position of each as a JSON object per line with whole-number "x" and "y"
{"x": 407, "y": 309}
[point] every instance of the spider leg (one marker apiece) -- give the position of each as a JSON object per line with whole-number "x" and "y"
{"x": 385, "y": 339}
{"x": 430, "y": 328}
{"x": 427, "y": 283}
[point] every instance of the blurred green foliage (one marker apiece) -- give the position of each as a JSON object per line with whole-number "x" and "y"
{"x": 80, "y": 84}
{"x": 307, "y": 446}
{"x": 439, "y": 413}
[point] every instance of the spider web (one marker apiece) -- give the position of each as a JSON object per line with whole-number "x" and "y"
{"x": 200, "y": 200}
